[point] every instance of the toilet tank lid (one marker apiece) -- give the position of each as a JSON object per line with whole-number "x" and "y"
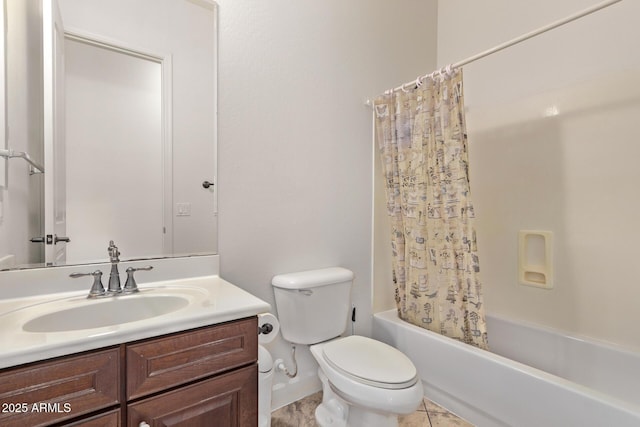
{"x": 312, "y": 278}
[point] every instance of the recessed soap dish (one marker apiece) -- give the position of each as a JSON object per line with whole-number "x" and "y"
{"x": 535, "y": 260}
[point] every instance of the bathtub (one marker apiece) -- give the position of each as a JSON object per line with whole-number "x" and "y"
{"x": 534, "y": 376}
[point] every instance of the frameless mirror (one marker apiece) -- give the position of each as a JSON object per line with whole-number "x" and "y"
{"x": 128, "y": 131}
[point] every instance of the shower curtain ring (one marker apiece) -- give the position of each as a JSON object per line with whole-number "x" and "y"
{"x": 419, "y": 81}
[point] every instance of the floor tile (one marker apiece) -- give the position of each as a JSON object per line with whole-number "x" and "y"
{"x": 297, "y": 414}
{"x": 433, "y": 407}
{"x": 440, "y": 417}
{"x": 302, "y": 414}
{"x": 417, "y": 419}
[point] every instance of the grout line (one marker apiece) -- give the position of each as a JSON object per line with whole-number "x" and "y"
{"x": 424, "y": 404}
{"x": 429, "y": 418}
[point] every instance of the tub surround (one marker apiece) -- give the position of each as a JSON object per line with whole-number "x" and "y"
{"x": 490, "y": 390}
{"x": 600, "y": 366}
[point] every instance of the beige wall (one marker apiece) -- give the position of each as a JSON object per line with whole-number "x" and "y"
{"x": 295, "y": 141}
{"x": 554, "y": 147}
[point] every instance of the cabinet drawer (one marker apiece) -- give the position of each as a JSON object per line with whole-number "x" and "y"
{"x": 45, "y": 392}
{"x": 110, "y": 419}
{"x": 162, "y": 363}
{"x": 228, "y": 400}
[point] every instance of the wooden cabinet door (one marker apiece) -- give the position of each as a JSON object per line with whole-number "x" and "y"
{"x": 109, "y": 419}
{"x": 47, "y": 392}
{"x": 228, "y": 400}
{"x": 161, "y": 363}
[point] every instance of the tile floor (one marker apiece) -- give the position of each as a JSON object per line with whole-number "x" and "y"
{"x": 301, "y": 414}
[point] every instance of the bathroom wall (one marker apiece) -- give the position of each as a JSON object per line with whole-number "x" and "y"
{"x": 295, "y": 140}
{"x": 553, "y": 146}
{"x": 20, "y": 198}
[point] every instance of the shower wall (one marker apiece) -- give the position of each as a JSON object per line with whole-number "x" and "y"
{"x": 553, "y": 146}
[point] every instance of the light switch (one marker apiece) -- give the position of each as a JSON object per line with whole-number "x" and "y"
{"x": 183, "y": 209}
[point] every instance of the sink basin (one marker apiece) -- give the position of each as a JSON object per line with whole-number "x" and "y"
{"x": 106, "y": 312}
{"x": 45, "y": 325}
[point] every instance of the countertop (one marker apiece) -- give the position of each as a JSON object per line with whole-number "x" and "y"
{"x": 215, "y": 301}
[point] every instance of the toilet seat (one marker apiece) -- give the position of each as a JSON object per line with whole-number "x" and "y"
{"x": 370, "y": 362}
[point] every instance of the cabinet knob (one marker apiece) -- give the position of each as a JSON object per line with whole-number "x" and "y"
{"x": 143, "y": 424}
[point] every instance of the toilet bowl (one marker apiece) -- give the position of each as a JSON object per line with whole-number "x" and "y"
{"x": 370, "y": 383}
{"x": 364, "y": 382}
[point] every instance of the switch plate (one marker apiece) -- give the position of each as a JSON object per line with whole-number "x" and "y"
{"x": 183, "y": 209}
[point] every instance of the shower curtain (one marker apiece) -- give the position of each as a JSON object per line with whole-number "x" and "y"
{"x": 423, "y": 144}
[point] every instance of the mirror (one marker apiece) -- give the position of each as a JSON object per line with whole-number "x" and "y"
{"x": 128, "y": 131}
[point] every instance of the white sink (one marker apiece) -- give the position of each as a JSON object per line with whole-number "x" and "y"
{"x": 106, "y": 312}
{"x": 49, "y": 325}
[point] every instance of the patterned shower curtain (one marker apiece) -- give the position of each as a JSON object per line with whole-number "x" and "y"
{"x": 423, "y": 144}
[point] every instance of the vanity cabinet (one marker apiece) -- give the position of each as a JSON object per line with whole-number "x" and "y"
{"x": 226, "y": 400}
{"x": 108, "y": 419}
{"x": 201, "y": 377}
{"x": 229, "y": 399}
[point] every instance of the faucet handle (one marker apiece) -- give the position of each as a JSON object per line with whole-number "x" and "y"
{"x": 97, "y": 289}
{"x": 131, "y": 286}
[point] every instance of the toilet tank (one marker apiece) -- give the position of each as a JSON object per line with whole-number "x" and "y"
{"x": 313, "y": 306}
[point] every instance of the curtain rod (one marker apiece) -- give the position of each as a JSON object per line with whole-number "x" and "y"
{"x": 516, "y": 40}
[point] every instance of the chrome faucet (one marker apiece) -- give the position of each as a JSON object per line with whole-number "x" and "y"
{"x": 97, "y": 290}
{"x": 114, "y": 276}
{"x": 130, "y": 285}
{"x": 114, "y": 289}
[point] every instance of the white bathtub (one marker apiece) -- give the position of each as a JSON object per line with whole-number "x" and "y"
{"x": 533, "y": 376}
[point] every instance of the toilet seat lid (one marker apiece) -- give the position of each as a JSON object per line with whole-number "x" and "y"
{"x": 370, "y": 362}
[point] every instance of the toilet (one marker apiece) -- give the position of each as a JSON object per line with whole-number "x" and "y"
{"x": 364, "y": 382}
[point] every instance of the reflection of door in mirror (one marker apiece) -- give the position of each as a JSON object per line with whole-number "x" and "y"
{"x": 115, "y": 146}
{"x": 54, "y": 134}
{"x": 181, "y": 31}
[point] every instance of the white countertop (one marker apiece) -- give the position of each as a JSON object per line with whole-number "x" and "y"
{"x": 213, "y": 300}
